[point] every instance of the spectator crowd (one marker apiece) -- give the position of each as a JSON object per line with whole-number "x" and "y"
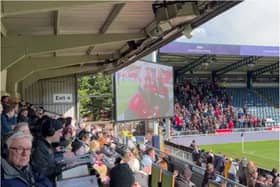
{"x": 203, "y": 106}
{"x": 35, "y": 146}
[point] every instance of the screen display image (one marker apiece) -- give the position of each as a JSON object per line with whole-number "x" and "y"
{"x": 144, "y": 91}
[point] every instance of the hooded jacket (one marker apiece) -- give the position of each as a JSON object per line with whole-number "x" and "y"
{"x": 25, "y": 177}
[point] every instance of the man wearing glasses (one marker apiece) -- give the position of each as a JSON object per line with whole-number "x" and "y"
{"x": 15, "y": 169}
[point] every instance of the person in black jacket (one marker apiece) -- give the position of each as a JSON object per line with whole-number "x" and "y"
{"x": 209, "y": 175}
{"x": 43, "y": 157}
{"x": 122, "y": 176}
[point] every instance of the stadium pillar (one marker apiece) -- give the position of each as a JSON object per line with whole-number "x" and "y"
{"x": 213, "y": 76}
{"x": 3, "y": 82}
{"x": 168, "y": 129}
{"x": 249, "y": 79}
{"x": 152, "y": 57}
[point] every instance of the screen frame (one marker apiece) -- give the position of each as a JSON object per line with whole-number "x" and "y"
{"x": 139, "y": 119}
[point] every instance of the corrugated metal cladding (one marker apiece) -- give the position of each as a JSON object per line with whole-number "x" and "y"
{"x": 45, "y": 92}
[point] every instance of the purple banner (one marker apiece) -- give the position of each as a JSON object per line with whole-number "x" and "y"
{"x": 188, "y": 48}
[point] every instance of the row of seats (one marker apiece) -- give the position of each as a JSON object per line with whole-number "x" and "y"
{"x": 272, "y": 94}
{"x": 161, "y": 177}
{"x": 254, "y": 104}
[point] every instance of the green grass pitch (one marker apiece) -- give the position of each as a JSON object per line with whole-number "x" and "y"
{"x": 125, "y": 91}
{"x": 265, "y": 154}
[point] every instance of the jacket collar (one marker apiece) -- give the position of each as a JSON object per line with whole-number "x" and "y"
{"x": 10, "y": 172}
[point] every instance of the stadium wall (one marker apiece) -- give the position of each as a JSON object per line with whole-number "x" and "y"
{"x": 57, "y": 95}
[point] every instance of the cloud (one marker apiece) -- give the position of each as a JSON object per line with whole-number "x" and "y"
{"x": 249, "y": 23}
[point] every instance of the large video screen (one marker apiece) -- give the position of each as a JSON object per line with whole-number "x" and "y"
{"x": 144, "y": 91}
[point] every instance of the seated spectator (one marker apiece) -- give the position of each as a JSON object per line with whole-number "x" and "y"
{"x": 209, "y": 175}
{"x": 8, "y": 119}
{"x": 122, "y": 176}
{"x": 23, "y": 116}
{"x": 274, "y": 173}
{"x": 80, "y": 145}
{"x": 68, "y": 136}
{"x": 43, "y": 158}
{"x": 15, "y": 170}
{"x": 260, "y": 182}
{"x": 183, "y": 179}
{"x": 251, "y": 173}
{"x": 101, "y": 139}
{"x": 162, "y": 162}
{"x": 108, "y": 147}
{"x": 219, "y": 163}
{"x": 276, "y": 182}
{"x": 94, "y": 146}
{"x": 22, "y": 127}
{"x": 100, "y": 167}
{"x": 5, "y": 99}
{"x": 147, "y": 161}
{"x": 227, "y": 165}
{"x": 241, "y": 171}
{"x": 268, "y": 180}
{"x": 132, "y": 161}
{"x": 232, "y": 173}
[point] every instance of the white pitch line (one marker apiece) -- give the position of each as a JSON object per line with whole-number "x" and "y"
{"x": 252, "y": 153}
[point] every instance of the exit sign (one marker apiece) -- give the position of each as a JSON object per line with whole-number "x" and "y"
{"x": 62, "y": 98}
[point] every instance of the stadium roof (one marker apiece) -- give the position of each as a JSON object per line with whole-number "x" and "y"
{"x": 44, "y": 39}
{"x": 223, "y": 59}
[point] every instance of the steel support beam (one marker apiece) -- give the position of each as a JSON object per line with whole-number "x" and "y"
{"x": 29, "y": 66}
{"x": 265, "y": 69}
{"x": 56, "y": 22}
{"x": 57, "y": 73}
{"x": 44, "y": 74}
{"x": 195, "y": 63}
{"x": 12, "y": 8}
{"x": 15, "y": 48}
{"x": 3, "y": 30}
{"x": 112, "y": 16}
{"x": 242, "y": 62}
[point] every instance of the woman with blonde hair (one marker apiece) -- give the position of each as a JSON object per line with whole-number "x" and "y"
{"x": 94, "y": 146}
{"x": 131, "y": 160}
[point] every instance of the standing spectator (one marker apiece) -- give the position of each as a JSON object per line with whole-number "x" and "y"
{"x": 147, "y": 161}
{"x": 8, "y": 119}
{"x": 23, "y": 116}
{"x": 43, "y": 157}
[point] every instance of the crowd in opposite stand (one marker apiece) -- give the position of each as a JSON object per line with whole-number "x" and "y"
{"x": 242, "y": 171}
{"x": 205, "y": 106}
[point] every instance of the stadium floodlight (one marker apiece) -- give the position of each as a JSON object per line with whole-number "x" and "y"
{"x": 175, "y": 11}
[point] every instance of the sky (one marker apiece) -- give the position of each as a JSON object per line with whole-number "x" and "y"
{"x": 251, "y": 22}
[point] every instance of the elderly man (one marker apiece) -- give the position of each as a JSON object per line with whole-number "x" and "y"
{"x": 15, "y": 169}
